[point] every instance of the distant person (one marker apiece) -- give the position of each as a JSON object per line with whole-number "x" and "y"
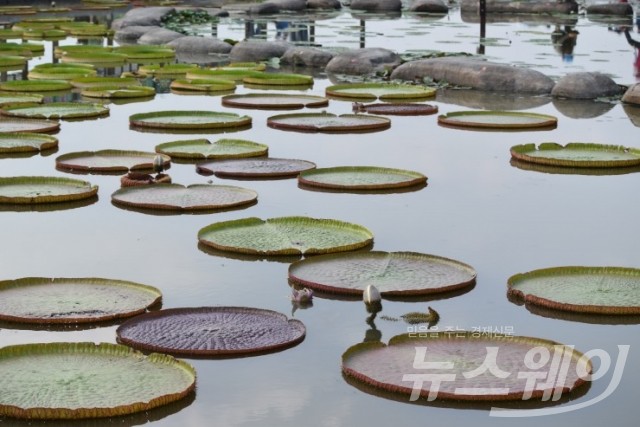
{"x": 636, "y": 45}
{"x": 564, "y": 40}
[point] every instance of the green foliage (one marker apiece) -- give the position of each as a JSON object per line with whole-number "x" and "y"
{"x": 180, "y": 20}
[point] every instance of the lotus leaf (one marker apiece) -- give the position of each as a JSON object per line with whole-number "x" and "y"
{"x": 361, "y": 178}
{"x": 43, "y": 189}
{"x": 577, "y": 155}
{"x": 203, "y": 85}
{"x": 278, "y": 79}
{"x": 26, "y": 142}
{"x": 118, "y": 92}
{"x": 497, "y": 120}
{"x": 274, "y": 101}
{"x": 255, "y": 168}
{"x": 87, "y": 380}
{"x": 379, "y": 90}
{"x": 212, "y": 331}
{"x": 189, "y": 120}
{"x": 30, "y": 125}
{"x": 397, "y": 109}
{"x": 181, "y": 198}
{"x": 35, "y": 85}
{"x": 399, "y": 366}
{"x": 56, "y": 110}
{"x": 327, "y": 122}
{"x": 108, "y": 161}
{"x": 73, "y": 300}
{"x": 285, "y": 236}
{"x": 219, "y": 150}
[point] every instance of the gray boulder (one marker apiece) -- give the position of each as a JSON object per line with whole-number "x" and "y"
{"x": 429, "y": 6}
{"x": 476, "y": 74}
{"x": 132, "y": 33}
{"x": 376, "y": 5}
{"x": 307, "y": 56}
{"x": 142, "y": 16}
{"x": 363, "y": 61}
{"x": 268, "y": 8}
{"x": 159, "y": 36}
{"x": 256, "y": 50}
{"x": 632, "y": 95}
{"x": 324, "y": 4}
{"x": 526, "y": 6}
{"x": 585, "y": 85}
{"x": 293, "y": 5}
{"x": 199, "y": 45}
{"x": 620, "y": 9}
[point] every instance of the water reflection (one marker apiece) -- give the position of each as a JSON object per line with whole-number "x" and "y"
{"x": 582, "y": 108}
{"x": 559, "y": 170}
{"x": 491, "y": 100}
{"x": 48, "y": 207}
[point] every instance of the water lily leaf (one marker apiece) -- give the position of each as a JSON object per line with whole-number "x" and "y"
{"x": 93, "y": 57}
{"x": 26, "y": 142}
{"x": 255, "y": 168}
{"x": 595, "y": 290}
{"x": 497, "y": 120}
{"x": 145, "y": 52}
{"x": 361, "y": 178}
{"x": 116, "y": 92}
{"x": 43, "y": 189}
{"x": 21, "y": 125}
{"x": 397, "y": 109}
{"x": 108, "y": 161}
{"x": 327, "y": 122}
{"x": 285, "y": 236}
{"x": 278, "y": 79}
{"x": 577, "y": 155}
{"x": 35, "y": 85}
{"x": 386, "y": 367}
{"x": 181, "y": 198}
{"x": 90, "y": 82}
{"x": 73, "y": 300}
{"x": 393, "y": 273}
{"x": 20, "y": 98}
{"x": 12, "y": 63}
{"x": 189, "y": 120}
{"x": 56, "y": 110}
{"x": 61, "y": 72}
{"x": 163, "y": 70}
{"x": 255, "y": 66}
{"x": 88, "y": 380}
{"x": 234, "y": 75}
{"x": 221, "y": 149}
{"x": 274, "y": 101}
{"x": 379, "y": 90}
{"x": 203, "y": 85}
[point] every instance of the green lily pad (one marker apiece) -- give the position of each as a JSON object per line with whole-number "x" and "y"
{"x": 361, "y": 178}
{"x": 497, "y": 120}
{"x": 26, "y": 142}
{"x": 395, "y": 274}
{"x": 399, "y": 366}
{"x": 160, "y": 70}
{"x": 278, "y": 79}
{"x": 73, "y": 300}
{"x": 212, "y": 331}
{"x": 108, "y": 161}
{"x": 88, "y": 380}
{"x": 222, "y": 149}
{"x": 594, "y": 290}
{"x": 235, "y": 75}
{"x": 189, "y": 120}
{"x": 274, "y": 101}
{"x": 28, "y": 125}
{"x": 44, "y": 35}
{"x": 44, "y": 189}
{"x": 327, "y": 122}
{"x": 577, "y": 155}
{"x": 35, "y": 85}
{"x": 203, "y": 85}
{"x": 144, "y": 52}
{"x": 10, "y": 34}
{"x": 396, "y": 109}
{"x": 379, "y": 90}
{"x": 178, "y": 197}
{"x": 90, "y": 82}
{"x": 19, "y": 98}
{"x": 254, "y": 66}
{"x": 285, "y": 236}
{"x": 63, "y": 72}
{"x": 11, "y": 63}
{"x": 94, "y": 58}
{"x": 116, "y": 92}
{"x": 56, "y": 110}
{"x": 266, "y": 167}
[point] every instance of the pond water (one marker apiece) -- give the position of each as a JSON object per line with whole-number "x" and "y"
{"x": 478, "y": 208}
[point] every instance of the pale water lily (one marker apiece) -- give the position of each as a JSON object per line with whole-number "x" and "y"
{"x": 372, "y": 299}
{"x": 301, "y": 296}
{"x": 158, "y": 164}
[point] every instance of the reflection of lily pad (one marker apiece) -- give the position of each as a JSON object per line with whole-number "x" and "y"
{"x": 26, "y": 142}
{"x": 87, "y": 380}
{"x": 73, "y": 300}
{"x": 327, "y": 122}
{"x": 462, "y": 357}
{"x": 361, "y": 178}
{"x": 28, "y": 125}
{"x": 44, "y": 189}
{"x": 108, "y": 161}
{"x": 203, "y": 85}
{"x": 56, "y": 110}
{"x": 115, "y": 92}
{"x": 497, "y": 120}
{"x": 35, "y": 85}
{"x": 285, "y": 236}
{"x": 189, "y": 120}
{"x": 595, "y": 290}
{"x": 577, "y": 155}
{"x": 278, "y": 79}
{"x": 181, "y": 198}
{"x": 221, "y": 149}
{"x": 393, "y": 273}
{"x": 379, "y": 90}
{"x": 212, "y": 331}
{"x": 274, "y": 101}
{"x": 397, "y": 109}
{"x": 255, "y": 168}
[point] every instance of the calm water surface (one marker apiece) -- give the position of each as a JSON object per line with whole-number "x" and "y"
{"x": 477, "y": 208}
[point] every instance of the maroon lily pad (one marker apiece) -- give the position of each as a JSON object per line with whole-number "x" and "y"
{"x": 396, "y": 109}
{"x": 255, "y": 168}
{"x": 28, "y": 125}
{"x": 108, "y": 161}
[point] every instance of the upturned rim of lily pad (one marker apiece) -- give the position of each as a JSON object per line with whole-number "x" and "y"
{"x": 457, "y": 119}
{"x": 259, "y": 150}
{"x": 84, "y": 189}
{"x": 167, "y": 69}
{"x": 269, "y": 167}
{"x": 313, "y": 177}
{"x": 118, "y": 92}
{"x": 284, "y": 101}
{"x": 203, "y": 85}
{"x": 69, "y": 161}
{"x": 44, "y": 142}
{"x": 235, "y": 120}
{"x": 402, "y": 91}
{"x": 30, "y": 125}
{"x": 134, "y": 52}
{"x": 152, "y": 297}
{"x": 368, "y": 123}
{"x": 35, "y": 85}
{"x": 628, "y": 274}
{"x": 527, "y": 153}
{"x": 398, "y": 109}
{"x": 15, "y": 98}
{"x": 211, "y": 327}
{"x": 235, "y": 75}
{"x": 364, "y": 236}
{"x": 93, "y": 57}
{"x": 278, "y": 79}
{"x": 105, "y": 353}
{"x": 60, "y": 73}
{"x": 89, "y": 82}
{"x": 83, "y": 110}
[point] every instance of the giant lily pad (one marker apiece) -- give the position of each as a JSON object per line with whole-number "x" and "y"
{"x": 278, "y": 79}
{"x": 285, "y": 236}
{"x": 30, "y": 125}
{"x": 12, "y": 63}
{"x": 327, "y": 122}
{"x": 577, "y": 155}
{"x": 167, "y": 70}
{"x": 56, "y": 110}
{"x": 116, "y": 92}
{"x": 146, "y": 52}
{"x": 379, "y": 90}
{"x": 221, "y": 149}
{"x": 90, "y": 82}
{"x": 62, "y": 72}
{"x": 178, "y": 197}
{"x": 255, "y": 168}
{"x": 189, "y": 120}
{"x": 87, "y": 380}
{"x": 274, "y": 101}
{"x": 26, "y": 142}
{"x": 235, "y": 75}
{"x": 595, "y": 290}
{"x": 212, "y": 331}
{"x": 108, "y": 161}
{"x": 361, "y": 178}
{"x": 43, "y": 189}
{"x": 393, "y": 273}
{"x": 203, "y": 85}
{"x": 396, "y": 109}
{"x": 35, "y": 85}
{"x": 465, "y": 366}
{"x": 19, "y": 98}
{"x": 96, "y": 58}
{"x": 497, "y": 120}
{"x": 73, "y": 300}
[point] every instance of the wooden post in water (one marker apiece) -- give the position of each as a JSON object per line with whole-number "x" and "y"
{"x": 363, "y": 29}
{"x": 483, "y": 24}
